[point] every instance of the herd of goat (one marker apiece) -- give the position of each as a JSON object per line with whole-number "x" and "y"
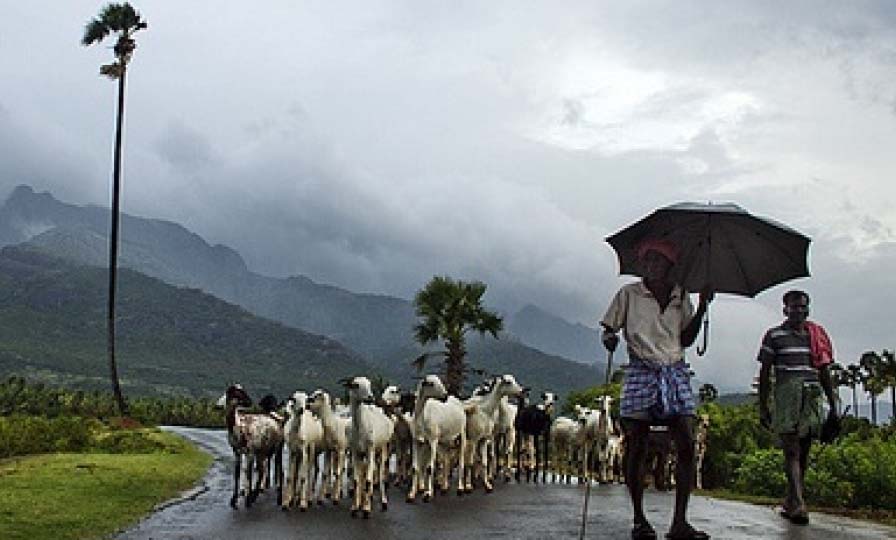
{"x": 419, "y": 440}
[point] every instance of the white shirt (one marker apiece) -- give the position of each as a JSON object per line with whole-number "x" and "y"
{"x": 649, "y": 333}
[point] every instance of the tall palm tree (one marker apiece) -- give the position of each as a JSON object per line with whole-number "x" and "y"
{"x": 872, "y": 381}
{"x": 447, "y": 310}
{"x": 855, "y": 376}
{"x": 888, "y": 368}
{"x": 125, "y": 21}
{"x": 708, "y": 393}
{"x": 839, "y": 378}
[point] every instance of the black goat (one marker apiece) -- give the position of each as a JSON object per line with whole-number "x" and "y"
{"x": 534, "y": 421}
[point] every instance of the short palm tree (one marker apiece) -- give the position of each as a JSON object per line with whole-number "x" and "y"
{"x": 447, "y": 310}
{"x": 125, "y": 21}
{"x": 708, "y": 393}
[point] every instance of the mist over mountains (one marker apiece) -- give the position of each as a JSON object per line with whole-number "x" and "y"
{"x": 544, "y": 348}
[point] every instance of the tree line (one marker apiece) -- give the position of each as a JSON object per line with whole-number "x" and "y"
{"x": 875, "y": 372}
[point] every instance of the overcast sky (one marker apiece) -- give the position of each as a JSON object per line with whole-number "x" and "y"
{"x": 372, "y": 145}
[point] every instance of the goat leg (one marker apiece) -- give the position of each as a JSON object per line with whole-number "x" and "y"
{"x": 237, "y": 460}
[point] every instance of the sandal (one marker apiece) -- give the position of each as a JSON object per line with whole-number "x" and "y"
{"x": 799, "y": 518}
{"x": 643, "y": 531}
{"x": 687, "y": 533}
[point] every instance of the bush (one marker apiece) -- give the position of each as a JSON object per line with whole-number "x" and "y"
{"x": 734, "y": 433}
{"x": 21, "y": 434}
{"x": 825, "y": 489}
{"x": 762, "y": 473}
{"x": 853, "y": 473}
{"x": 868, "y": 466}
{"x": 588, "y": 398}
{"x": 139, "y": 441}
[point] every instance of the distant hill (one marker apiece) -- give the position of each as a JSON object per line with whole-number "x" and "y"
{"x": 370, "y": 324}
{"x": 171, "y": 340}
{"x": 736, "y": 399}
{"x": 378, "y": 327}
{"x": 554, "y": 335}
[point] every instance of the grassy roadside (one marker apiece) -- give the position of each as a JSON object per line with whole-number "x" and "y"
{"x": 884, "y": 517}
{"x": 90, "y": 495}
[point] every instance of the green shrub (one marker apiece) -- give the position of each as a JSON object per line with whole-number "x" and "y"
{"x": 853, "y": 473}
{"x": 128, "y": 442}
{"x": 762, "y": 473}
{"x": 21, "y": 434}
{"x": 823, "y": 488}
{"x": 734, "y": 433}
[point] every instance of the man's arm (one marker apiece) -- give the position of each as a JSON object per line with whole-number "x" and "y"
{"x": 689, "y": 334}
{"x": 614, "y": 320}
{"x": 765, "y": 416}
{"x": 824, "y": 376}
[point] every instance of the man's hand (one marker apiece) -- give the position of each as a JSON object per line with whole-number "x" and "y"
{"x": 611, "y": 341}
{"x": 707, "y": 295}
{"x": 765, "y": 418}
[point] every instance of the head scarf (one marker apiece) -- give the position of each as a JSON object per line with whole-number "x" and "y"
{"x": 662, "y": 246}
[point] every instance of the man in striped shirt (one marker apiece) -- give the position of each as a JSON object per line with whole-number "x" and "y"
{"x": 799, "y": 382}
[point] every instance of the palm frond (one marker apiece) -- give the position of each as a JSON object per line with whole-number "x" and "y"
{"x": 420, "y": 361}
{"x": 122, "y": 18}
{"x": 95, "y": 31}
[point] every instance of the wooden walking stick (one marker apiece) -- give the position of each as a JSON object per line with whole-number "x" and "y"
{"x": 588, "y": 480}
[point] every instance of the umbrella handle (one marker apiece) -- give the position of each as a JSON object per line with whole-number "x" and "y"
{"x": 702, "y": 351}
{"x": 609, "y": 365}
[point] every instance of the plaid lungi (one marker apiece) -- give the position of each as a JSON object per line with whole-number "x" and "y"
{"x": 657, "y": 389}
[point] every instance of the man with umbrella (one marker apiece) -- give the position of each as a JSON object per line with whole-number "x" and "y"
{"x": 658, "y": 321}
{"x": 678, "y": 248}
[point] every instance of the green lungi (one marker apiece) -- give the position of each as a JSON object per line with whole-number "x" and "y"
{"x": 798, "y": 406}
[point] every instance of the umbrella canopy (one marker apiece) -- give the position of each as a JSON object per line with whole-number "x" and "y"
{"x": 721, "y": 246}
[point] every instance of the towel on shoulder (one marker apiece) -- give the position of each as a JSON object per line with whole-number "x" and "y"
{"x": 820, "y": 344}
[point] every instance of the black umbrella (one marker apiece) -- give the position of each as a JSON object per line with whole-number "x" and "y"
{"x": 721, "y": 246}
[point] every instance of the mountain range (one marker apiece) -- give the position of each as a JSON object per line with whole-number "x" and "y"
{"x": 375, "y": 330}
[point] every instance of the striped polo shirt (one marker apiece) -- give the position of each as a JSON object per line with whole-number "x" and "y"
{"x": 787, "y": 350}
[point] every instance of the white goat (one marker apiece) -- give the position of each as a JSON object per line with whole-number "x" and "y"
{"x": 304, "y": 435}
{"x": 586, "y": 439}
{"x": 481, "y": 422}
{"x": 505, "y": 437}
{"x": 603, "y": 435}
{"x": 401, "y": 437}
{"x": 336, "y": 437}
{"x": 702, "y": 435}
{"x": 564, "y": 434}
{"x": 595, "y": 430}
{"x": 436, "y": 423}
{"x": 369, "y": 444}
{"x": 255, "y": 436}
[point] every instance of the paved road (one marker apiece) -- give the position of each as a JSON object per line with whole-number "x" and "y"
{"x": 512, "y": 511}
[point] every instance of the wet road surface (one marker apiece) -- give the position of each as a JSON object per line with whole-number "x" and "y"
{"x": 513, "y": 511}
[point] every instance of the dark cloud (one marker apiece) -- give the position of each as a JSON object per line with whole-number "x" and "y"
{"x": 183, "y": 147}
{"x": 372, "y": 149}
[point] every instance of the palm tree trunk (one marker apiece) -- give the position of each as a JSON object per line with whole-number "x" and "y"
{"x": 855, "y": 402}
{"x": 873, "y": 410}
{"x": 893, "y": 404}
{"x": 113, "y": 249}
{"x": 454, "y": 367}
